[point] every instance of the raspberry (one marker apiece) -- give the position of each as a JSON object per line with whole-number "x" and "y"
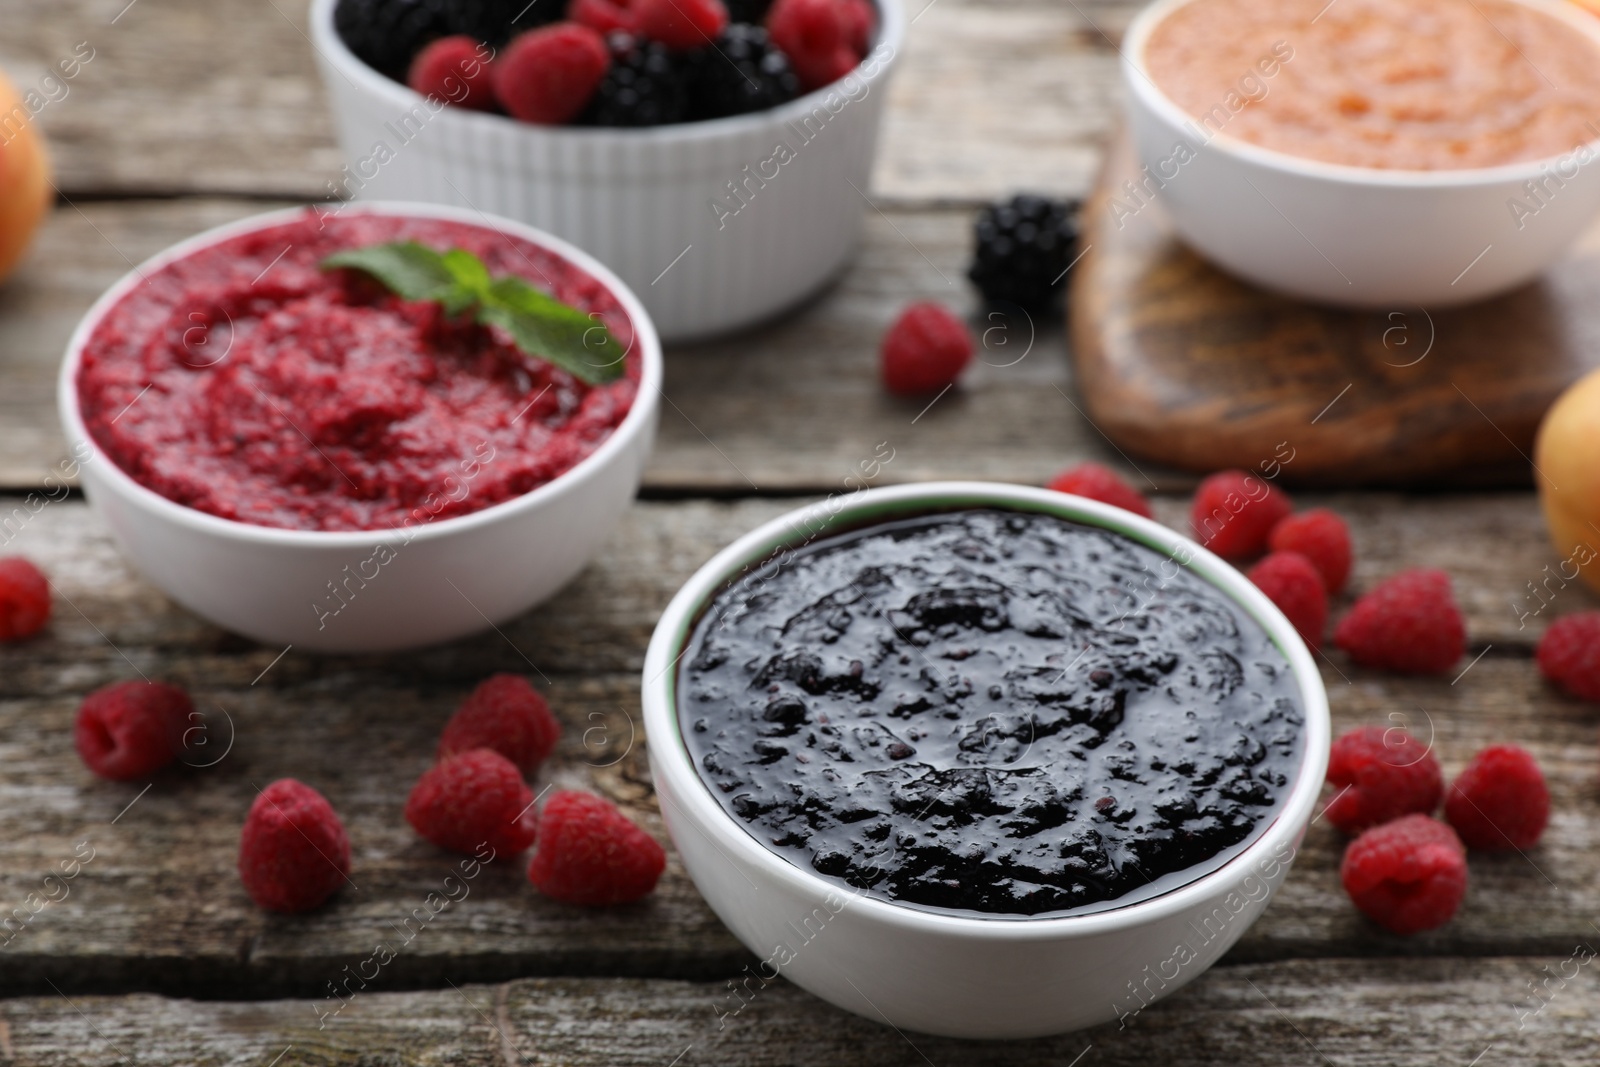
{"x": 1408, "y": 875}
{"x": 548, "y": 75}
{"x": 1234, "y": 512}
{"x": 1569, "y": 654}
{"x": 1500, "y": 801}
{"x": 293, "y": 852}
{"x": 1292, "y": 582}
{"x": 1381, "y": 774}
{"x": 590, "y": 853}
{"x": 815, "y": 35}
{"x": 925, "y": 349}
{"x": 24, "y": 599}
{"x": 860, "y": 20}
{"x": 455, "y": 69}
{"x": 603, "y": 16}
{"x": 505, "y": 714}
{"x": 131, "y": 730}
{"x": 464, "y": 802}
{"x": 1409, "y": 623}
{"x": 681, "y": 24}
{"x": 1099, "y": 483}
{"x": 1320, "y": 536}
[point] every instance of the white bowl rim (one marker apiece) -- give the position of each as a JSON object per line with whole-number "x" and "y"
{"x": 326, "y": 40}
{"x": 668, "y": 752}
{"x": 1154, "y": 97}
{"x": 638, "y": 419}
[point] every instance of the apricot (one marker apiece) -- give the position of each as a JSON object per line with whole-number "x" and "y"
{"x": 25, "y": 189}
{"x": 1566, "y": 456}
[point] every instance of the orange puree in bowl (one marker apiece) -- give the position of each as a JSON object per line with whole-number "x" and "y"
{"x": 1397, "y": 84}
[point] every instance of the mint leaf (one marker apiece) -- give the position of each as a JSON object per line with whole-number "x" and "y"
{"x": 543, "y": 326}
{"x": 467, "y": 270}
{"x": 408, "y": 269}
{"x": 538, "y": 323}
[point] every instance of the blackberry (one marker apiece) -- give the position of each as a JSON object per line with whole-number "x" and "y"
{"x": 1023, "y": 248}
{"x": 644, "y": 87}
{"x": 753, "y": 12}
{"x": 743, "y": 71}
{"x": 497, "y": 21}
{"x": 387, "y": 34}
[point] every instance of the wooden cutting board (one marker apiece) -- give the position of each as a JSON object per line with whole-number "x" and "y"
{"x": 1180, "y": 364}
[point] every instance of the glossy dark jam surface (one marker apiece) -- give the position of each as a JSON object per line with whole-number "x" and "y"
{"x": 993, "y": 712}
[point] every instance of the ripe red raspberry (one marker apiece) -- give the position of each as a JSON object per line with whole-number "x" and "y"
{"x": 1381, "y": 773}
{"x": 860, "y": 20}
{"x": 1292, "y": 582}
{"x": 130, "y": 730}
{"x": 1099, "y": 483}
{"x": 925, "y": 349}
{"x": 1569, "y": 654}
{"x": 1320, "y": 536}
{"x": 24, "y": 599}
{"x": 1500, "y": 801}
{"x": 454, "y": 69}
{"x": 816, "y": 36}
{"x": 1409, "y": 623}
{"x": 476, "y": 798}
{"x": 1234, "y": 512}
{"x": 591, "y": 853}
{"x": 603, "y": 16}
{"x": 683, "y": 25}
{"x": 293, "y": 852}
{"x": 548, "y": 75}
{"x": 505, "y": 714}
{"x": 1408, "y": 875}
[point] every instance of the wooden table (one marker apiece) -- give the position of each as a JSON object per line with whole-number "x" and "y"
{"x": 192, "y": 114}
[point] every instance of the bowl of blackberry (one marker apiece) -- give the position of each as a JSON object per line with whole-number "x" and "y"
{"x": 702, "y": 149}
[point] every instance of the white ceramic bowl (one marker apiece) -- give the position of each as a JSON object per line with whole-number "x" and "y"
{"x": 446, "y": 579}
{"x": 645, "y": 202}
{"x": 949, "y": 974}
{"x": 1354, "y": 236}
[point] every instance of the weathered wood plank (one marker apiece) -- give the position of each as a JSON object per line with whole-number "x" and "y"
{"x": 160, "y": 906}
{"x": 224, "y": 98}
{"x": 793, "y": 407}
{"x": 1338, "y": 1011}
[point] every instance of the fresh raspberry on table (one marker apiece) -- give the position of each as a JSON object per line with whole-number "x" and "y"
{"x": 925, "y": 350}
{"x": 1293, "y": 583}
{"x": 1500, "y": 801}
{"x": 1100, "y": 483}
{"x": 547, "y": 75}
{"x": 24, "y": 599}
{"x": 466, "y": 801}
{"x": 130, "y": 730}
{"x": 816, "y": 35}
{"x": 682, "y": 25}
{"x": 504, "y": 713}
{"x": 293, "y": 852}
{"x": 1380, "y": 773}
{"x": 1320, "y": 536}
{"x": 1233, "y": 513}
{"x": 1409, "y": 623}
{"x": 604, "y": 16}
{"x": 1569, "y": 654}
{"x": 456, "y": 70}
{"x": 591, "y": 853}
{"x": 1408, "y": 875}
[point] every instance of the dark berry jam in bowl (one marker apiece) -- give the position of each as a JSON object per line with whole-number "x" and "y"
{"x": 302, "y": 456}
{"x": 982, "y": 760}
